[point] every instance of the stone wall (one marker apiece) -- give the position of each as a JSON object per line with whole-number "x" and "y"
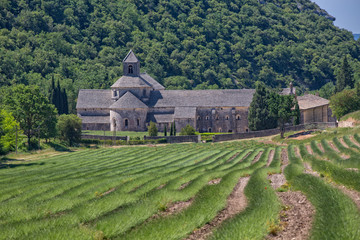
{"x": 177, "y": 139}
{"x": 344, "y": 124}
{"x": 270, "y": 132}
{"x": 96, "y": 126}
{"x": 101, "y": 137}
{"x": 128, "y": 119}
{"x": 222, "y": 119}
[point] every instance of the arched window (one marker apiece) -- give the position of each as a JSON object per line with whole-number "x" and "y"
{"x": 220, "y": 130}
{"x": 209, "y": 130}
{"x": 198, "y": 118}
{"x": 126, "y": 123}
{"x": 131, "y": 69}
{"x": 138, "y": 121}
{"x": 246, "y": 130}
{"x": 115, "y": 93}
{"x": 217, "y": 117}
{"x": 227, "y": 117}
{"x": 238, "y": 117}
{"x": 207, "y": 117}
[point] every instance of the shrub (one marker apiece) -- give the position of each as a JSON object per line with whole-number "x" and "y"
{"x": 152, "y": 130}
{"x": 69, "y": 127}
{"x": 187, "y": 130}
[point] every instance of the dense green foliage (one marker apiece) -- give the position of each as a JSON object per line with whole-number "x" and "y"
{"x": 152, "y": 130}
{"x": 8, "y": 130}
{"x": 183, "y": 44}
{"x": 58, "y": 97}
{"x": 344, "y": 77}
{"x": 69, "y": 127}
{"x": 344, "y": 102}
{"x": 261, "y": 112}
{"x": 187, "y": 130}
{"x": 269, "y": 109}
{"x": 32, "y": 110}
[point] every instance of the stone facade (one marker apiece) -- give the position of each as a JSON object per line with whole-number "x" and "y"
{"x": 136, "y": 98}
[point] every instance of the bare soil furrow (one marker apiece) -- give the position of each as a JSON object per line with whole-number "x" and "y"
{"x": 271, "y": 157}
{"x": 352, "y": 139}
{"x": 296, "y": 217}
{"x": 332, "y": 145}
{"x": 257, "y": 157}
{"x": 343, "y": 142}
{"x": 308, "y": 148}
{"x": 236, "y": 203}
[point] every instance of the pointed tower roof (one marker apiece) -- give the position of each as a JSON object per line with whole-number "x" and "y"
{"x": 128, "y": 100}
{"x": 130, "y": 57}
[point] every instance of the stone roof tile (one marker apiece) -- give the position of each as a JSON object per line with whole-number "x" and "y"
{"x": 202, "y": 98}
{"x": 131, "y": 58}
{"x": 311, "y": 101}
{"x": 128, "y": 100}
{"x": 91, "y": 98}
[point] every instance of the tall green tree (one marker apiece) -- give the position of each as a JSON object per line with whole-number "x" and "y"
{"x": 344, "y": 102}
{"x": 69, "y": 127}
{"x": 30, "y": 108}
{"x": 261, "y": 112}
{"x": 8, "y": 128}
{"x": 165, "y": 130}
{"x": 297, "y": 114}
{"x": 344, "y": 77}
{"x": 285, "y": 113}
{"x": 152, "y": 130}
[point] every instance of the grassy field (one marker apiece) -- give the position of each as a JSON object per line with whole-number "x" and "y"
{"x": 122, "y": 193}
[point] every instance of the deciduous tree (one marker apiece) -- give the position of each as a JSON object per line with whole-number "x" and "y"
{"x": 69, "y": 127}
{"x": 31, "y": 109}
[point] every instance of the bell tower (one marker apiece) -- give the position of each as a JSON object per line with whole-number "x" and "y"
{"x": 131, "y": 65}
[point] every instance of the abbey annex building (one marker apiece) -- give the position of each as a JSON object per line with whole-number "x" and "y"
{"x": 136, "y": 99}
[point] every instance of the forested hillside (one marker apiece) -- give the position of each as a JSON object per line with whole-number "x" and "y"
{"x": 183, "y": 44}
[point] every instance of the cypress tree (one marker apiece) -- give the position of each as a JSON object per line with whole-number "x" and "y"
{"x": 59, "y": 98}
{"x": 171, "y": 129}
{"x": 174, "y": 129}
{"x": 165, "y": 131}
{"x": 344, "y": 76}
{"x": 65, "y": 102}
{"x": 258, "y": 111}
{"x": 297, "y": 114}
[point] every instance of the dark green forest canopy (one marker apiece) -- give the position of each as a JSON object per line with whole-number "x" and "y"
{"x": 183, "y": 44}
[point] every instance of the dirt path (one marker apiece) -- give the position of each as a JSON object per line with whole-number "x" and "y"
{"x": 173, "y": 208}
{"x": 233, "y": 157}
{"x": 236, "y": 203}
{"x": 332, "y": 145}
{"x": 309, "y": 170}
{"x": 297, "y": 152}
{"x": 343, "y": 142}
{"x": 257, "y": 157}
{"x": 271, "y": 157}
{"x": 308, "y": 148}
{"x": 352, "y": 139}
{"x": 296, "y": 217}
{"x": 353, "y": 194}
{"x": 320, "y": 146}
{"x": 277, "y": 180}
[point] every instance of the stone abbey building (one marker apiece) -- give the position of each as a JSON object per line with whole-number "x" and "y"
{"x": 136, "y": 99}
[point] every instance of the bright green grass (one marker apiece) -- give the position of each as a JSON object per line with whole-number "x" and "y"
{"x": 112, "y": 193}
{"x": 354, "y": 115}
{"x": 119, "y": 133}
